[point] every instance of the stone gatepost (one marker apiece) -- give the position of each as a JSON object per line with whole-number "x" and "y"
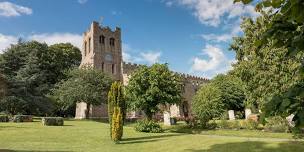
{"x": 231, "y": 115}
{"x": 167, "y": 116}
{"x": 247, "y": 113}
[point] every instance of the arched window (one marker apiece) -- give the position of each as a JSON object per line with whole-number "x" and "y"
{"x": 101, "y": 39}
{"x": 113, "y": 68}
{"x": 102, "y": 67}
{"x": 112, "y": 41}
{"x": 85, "y": 48}
{"x": 89, "y": 45}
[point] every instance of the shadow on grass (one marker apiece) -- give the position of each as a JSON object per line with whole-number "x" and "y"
{"x": 8, "y": 150}
{"x": 145, "y": 139}
{"x": 253, "y": 146}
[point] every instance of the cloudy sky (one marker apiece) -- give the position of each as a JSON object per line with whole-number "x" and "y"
{"x": 193, "y": 36}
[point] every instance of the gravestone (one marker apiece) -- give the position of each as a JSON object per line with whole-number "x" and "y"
{"x": 167, "y": 116}
{"x": 231, "y": 115}
{"x": 289, "y": 119}
{"x": 247, "y": 113}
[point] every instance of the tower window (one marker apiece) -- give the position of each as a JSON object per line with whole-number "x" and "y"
{"x": 112, "y": 41}
{"x": 89, "y": 45}
{"x": 102, "y": 67}
{"x": 113, "y": 68}
{"x": 85, "y": 48}
{"x": 101, "y": 39}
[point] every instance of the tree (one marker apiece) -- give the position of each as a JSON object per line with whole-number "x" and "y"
{"x": 87, "y": 85}
{"x": 272, "y": 75}
{"x": 32, "y": 69}
{"x": 231, "y": 91}
{"x": 208, "y": 103}
{"x": 150, "y": 87}
{"x": 116, "y": 110}
{"x": 285, "y": 29}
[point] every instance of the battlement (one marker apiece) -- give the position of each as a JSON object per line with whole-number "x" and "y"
{"x": 96, "y": 26}
{"x": 192, "y": 77}
{"x": 128, "y": 68}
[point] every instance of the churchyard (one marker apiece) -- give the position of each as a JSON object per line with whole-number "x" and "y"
{"x": 89, "y": 135}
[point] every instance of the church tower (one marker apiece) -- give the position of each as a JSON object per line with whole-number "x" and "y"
{"x": 101, "y": 49}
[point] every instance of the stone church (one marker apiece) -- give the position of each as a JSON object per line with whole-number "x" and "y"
{"x": 102, "y": 49}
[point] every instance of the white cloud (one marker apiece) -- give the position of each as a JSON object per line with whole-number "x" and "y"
{"x": 217, "y": 38}
{"x": 49, "y": 38}
{"x": 53, "y": 38}
{"x": 6, "y": 41}
{"x": 216, "y": 62}
{"x": 151, "y": 57}
{"x": 82, "y": 1}
{"x": 210, "y": 12}
{"x": 234, "y": 28}
{"x": 139, "y": 56}
{"x": 8, "y": 9}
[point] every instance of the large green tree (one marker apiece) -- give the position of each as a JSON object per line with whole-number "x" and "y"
{"x": 232, "y": 91}
{"x": 87, "y": 85}
{"x": 151, "y": 87}
{"x": 268, "y": 70}
{"x": 208, "y": 103}
{"x": 31, "y": 70}
{"x": 284, "y": 29}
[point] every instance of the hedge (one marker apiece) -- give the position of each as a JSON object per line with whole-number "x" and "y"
{"x": 23, "y": 118}
{"x": 236, "y": 124}
{"x": 52, "y": 121}
{"x": 4, "y": 118}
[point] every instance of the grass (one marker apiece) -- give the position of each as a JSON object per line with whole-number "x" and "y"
{"x": 94, "y": 136}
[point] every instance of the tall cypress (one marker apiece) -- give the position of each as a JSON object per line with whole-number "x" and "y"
{"x": 116, "y": 111}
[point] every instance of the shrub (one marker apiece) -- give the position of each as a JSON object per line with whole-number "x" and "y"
{"x": 52, "y": 121}
{"x": 23, "y": 118}
{"x": 277, "y": 124}
{"x": 236, "y": 124}
{"x": 148, "y": 126}
{"x": 228, "y": 124}
{"x": 117, "y": 124}
{"x": 116, "y": 111}
{"x": 4, "y": 118}
{"x": 207, "y": 104}
{"x": 248, "y": 124}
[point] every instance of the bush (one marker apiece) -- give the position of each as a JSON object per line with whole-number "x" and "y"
{"x": 207, "y": 104}
{"x": 52, "y": 121}
{"x": 148, "y": 126}
{"x": 236, "y": 124}
{"x": 248, "y": 124}
{"x": 23, "y": 118}
{"x": 228, "y": 124}
{"x": 277, "y": 124}
{"x": 4, "y": 118}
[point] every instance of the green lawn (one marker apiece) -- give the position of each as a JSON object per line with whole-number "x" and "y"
{"x": 94, "y": 136}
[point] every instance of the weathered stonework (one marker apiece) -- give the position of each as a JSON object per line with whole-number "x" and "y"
{"x": 102, "y": 50}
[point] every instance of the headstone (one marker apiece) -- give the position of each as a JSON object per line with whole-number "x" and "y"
{"x": 167, "y": 121}
{"x": 247, "y": 113}
{"x": 289, "y": 119}
{"x": 254, "y": 117}
{"x": 231, "y": 115}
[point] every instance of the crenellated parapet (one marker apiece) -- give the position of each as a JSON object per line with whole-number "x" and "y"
{"x": 128, "y": 68}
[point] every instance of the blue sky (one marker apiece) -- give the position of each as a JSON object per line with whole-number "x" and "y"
{"x": 193, "y": 36}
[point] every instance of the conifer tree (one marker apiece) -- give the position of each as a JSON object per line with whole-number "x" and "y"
{"x": 116, "y": 111}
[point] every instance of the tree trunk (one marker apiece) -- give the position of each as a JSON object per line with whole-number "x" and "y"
{"x": 149, "y": 114}
{"x": 88, "y": 111}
